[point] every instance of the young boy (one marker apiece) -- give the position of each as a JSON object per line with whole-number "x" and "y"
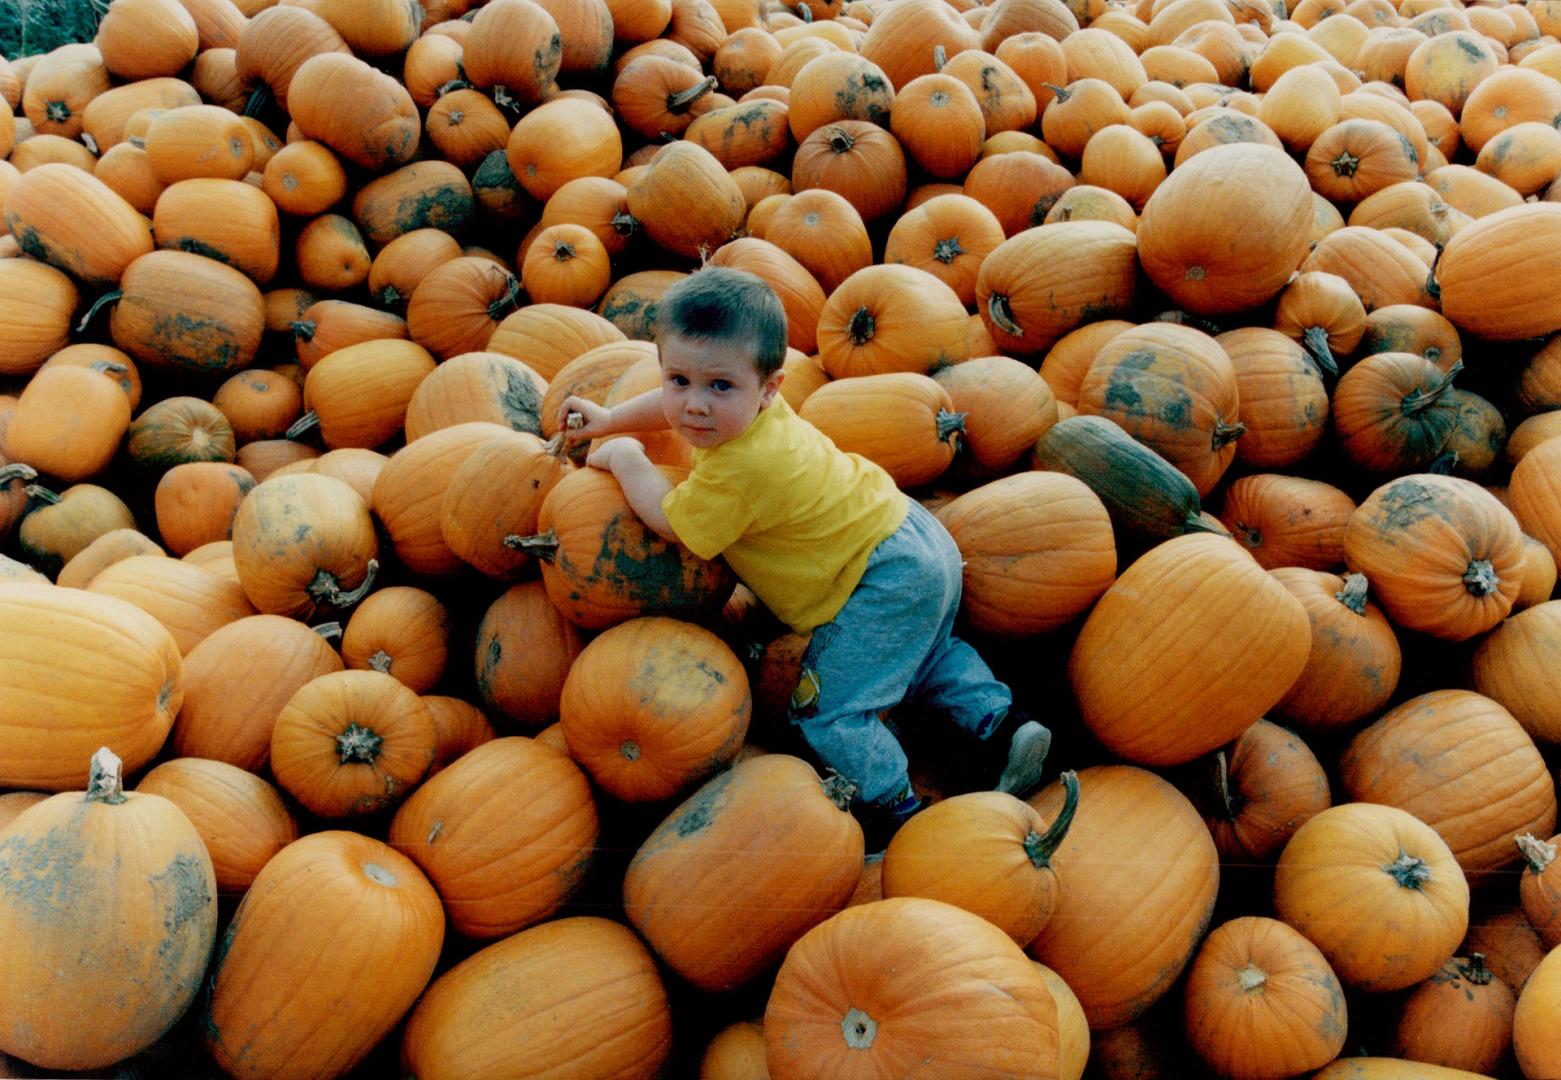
{"x": 824, "y": 538}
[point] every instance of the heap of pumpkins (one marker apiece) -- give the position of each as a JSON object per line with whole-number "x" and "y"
{"x": 349, "y": 726}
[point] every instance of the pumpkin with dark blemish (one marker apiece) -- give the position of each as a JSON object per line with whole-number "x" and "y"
{"x": 184, "y": 311}
{"x": 108, "y": 908}
{"x": 755, "y": 858}
{"x": 524, "y": 650}
{"x": 653, "y": 706}
{"x": 303, "y": 544}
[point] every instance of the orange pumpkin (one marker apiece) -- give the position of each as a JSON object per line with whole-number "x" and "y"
{"x": 1355, "y": 661}
{"x": 523, "y": 652}
{"x": 358, "y": 395}
{"x": 497, "y": 493}
{"x": 195, "y": 503}
{"x": 889, "y": 318}
{"x": 1459, "y": 1018}
{"x": 643, "y": 746}
{"x": 361, "y": 113}
{"x": 1256, "y": 792}
{"x": 401, "y": 631}
{"x": 1512, "y": 249}
{"x": 189, "y": 313}
{"x": 36, "y": 305}
{"x": 189, "y": 600}
{"x": 68, "y": 423}
{"x": 134, "y": 956}
{"x": 74, "y": 221}
{"x": 289, "y": 570}
{"x": 239, "y": 817}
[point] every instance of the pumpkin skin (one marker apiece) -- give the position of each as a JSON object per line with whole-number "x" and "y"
{"x": 1381, "y": 1068}
{"x": 68, "y": 423}
{"x": 891, "y": 317}
{"x": 1146, "y": 914}
{"x": 103, "y": 552}
{"x": 341, "y": 906}
{"x": 485, "y": 386}
{"x": 1510, "y": 247}
{"x": 1535, "y": 495}
{"x": 1040, "y": 284}
{"x": 514, "y": 45}
{"x": 189, "y": 600}
{"x": 903, "y": 421}
{"x": 1444, "y": 556}
{"x": 1262, "y": 1002}
{"x": 1174, "y": 389}
{"x": 352, "y": 743}
{"x": 411, "y": 487}
{"x": 497, "y": 493}
{"x": 70, "y": 219}
{"x": 1459, "y": 1018}
{"x": 358, "y": 395}
{"x": 188, "y": 313}
{"x": 1377, "y": 890}
{"x": 1514, "y": 665}
{"x": 49, "y": 730}
{"x": 506, "y": 834}
{"x": 1038, "y": 552}
{"x": 196, "y": 501}
{"x": 1533, "y": 1022}
{"x": 36, "y": 305}
{"x": 772, "y": 851}
{"x": 685, "y": 200}
{"x": 1355, "y": 661}
{"x": 1208, "y": 205}
{"x": 985, "y": 852}
{"x": 1460, "y": 763}
{"x": 735, "y": 1053}
{"x": 831, "y": 999}
{"x": 1392, "y": 414}
{"x": 239, "y": 817}
{"x": 652, "y": 706}
{"x": 598, "y": 1008}
{"x": 1137, "y": 668}
{"x": 459, "y": 304}
{"x": 461, "y": 726}
{"x": 401, "y": 631}
{"x": 363, "y": 114}
{"x": 57, "y": 527}
{"x": 523, "y": 652}
{"x": 179, "y": 431}
{"x": 236, "y": 682}
{"x": 1287, "y": 520}
{"x": 1256, "y": 792}
{"x": 421, "y": 195}
{"x": 1284, "y": 404}
{"x": 601, "y": 565}
{"x": 288, "y": 570}
{"x": 107, "y": 902}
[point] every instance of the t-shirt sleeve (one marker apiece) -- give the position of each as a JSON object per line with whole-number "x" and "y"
{"x": 707, "y": 514}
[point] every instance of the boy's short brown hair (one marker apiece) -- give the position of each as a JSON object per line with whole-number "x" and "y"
{"x": 718, "y": 303}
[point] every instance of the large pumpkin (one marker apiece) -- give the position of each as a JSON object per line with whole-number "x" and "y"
{"x": 742, "y": 868}
{"x": 303, "y": 544}
{"x": 1191, "y": 644}
{"x": 1196, "y": 234}
{"x": 840, "y": 1008}
{"x": 350, "y": 911}
{"x": 1491, "y": 276}
{"x": 1517, "y": 665}
{"x": 72, "y": 220}
{"x": 79, "y": 671}
{"x": 108, "y": 908}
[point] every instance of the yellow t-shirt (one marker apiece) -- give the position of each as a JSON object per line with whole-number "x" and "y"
{"x": 795, "y": 516}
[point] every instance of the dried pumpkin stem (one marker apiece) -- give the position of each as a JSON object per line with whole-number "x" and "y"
{"x": 563, "y": 251}
{"x": 16, "y": 471}
{"x": 839, "y": 790}
{"x": 946, "y": 251}
{"x": 840, "y": 140}
{"x": 1222, "y": 786}
{"x": 1196, "y": 523}
{"x": 940, "y": 56}
{"x": 680, "y": 101}
{"x": 859, "y": 1029}
{"x": 326, "y": 588}
{"x": 949, "y": 424}
{"x": 1480, "y": 578}
{"x": 389, "y": 296}
{"x": 1225, "y": 434}
{"x": 358, "y": 744}
{"x": 543, "y": 545}
{"x": 860, "y": 326}
{"x": 1251, "y": 978}
{"x": 1345, "y": 164}
{"x": 1421, "y": 398}
{"x": 804, "y": 12}
{"x": 257, "y": 101}
{"x": 101, "y": 302}
{"x": 1040, "y": 847}
{"x": 1410, "y": 872}
{"x": 1315, "y": 338}
{"x": 328, "y": 630}
{"x": 1002, "y": 316}
{"x": 303, "y": 425}
{"x": 1476, "y": 970}
{"x": 625, "y": 223}
{"x": 303, "y": 329}
{"x": 105, "y": 779}
{"x": 39, "y": 493}
{"x": 1353, "y": 595}
{"x": 1539, "y": 854}
{"x": 453, "y": 84}
{"x": 381, "y": 662}
{"x": 510, "y": 301}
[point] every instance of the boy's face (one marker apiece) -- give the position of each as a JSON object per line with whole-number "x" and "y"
{"x": 711, "y": 390}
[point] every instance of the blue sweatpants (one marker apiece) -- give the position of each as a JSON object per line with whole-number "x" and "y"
{"x": 893, "y": 641}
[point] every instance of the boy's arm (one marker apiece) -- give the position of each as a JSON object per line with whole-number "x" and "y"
{"x": 643, "y": 484}
{"x": 640, "y": 413}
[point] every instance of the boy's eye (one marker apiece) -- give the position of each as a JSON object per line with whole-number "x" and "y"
{"x": 677, "y": 380}
{"x": 720, "y": 384}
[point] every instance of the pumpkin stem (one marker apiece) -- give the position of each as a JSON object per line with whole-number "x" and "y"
{"x": 109, "y": 367}
{"x": 381, "y": 662}
{"x": 839, "y": 790}
{"x": 1410, "y": 872}
{"x": 325, "y": 588}
{"x": 358, "y": 744}
{"x": 1315, "y": 338}
{"x": 39, "y": 493}
{"x": 1222, "y": 786}
{"x": 859, "y": 1029}
{"x": 543, "y": 545}
{"x": 840, "y": 140}
{"x": 102, "y": 301}
{"x": 328, "y": 630}
{"x": 1196, "y": 523}
{"x": 90, "y": 143}
{"x": 257, "y": 100}
{"x": 1480, "y": 578}
{"x": 303, "y": 329}
{"x": 1345, "y": 164}
{"x": 680, "y": 101}
{"x": 997, "y": 309}
{"x": 453, "y": 84}
{"x": 625, "y": 223}
{"x": 940, "y": 56}
{"x": 506, "y": 100}
{"x": 1251, "y": 978}
{"x": 563, "y": 251}
{"x": 1225, "y": 434}
{"x": 1040, "y": 847}
{"x": 58, "y": 111}
{"x": 303, "y": 425}
{"x": 1421, "y": 398}
{"x": 105, "y": 780}
{"x": 804, "y": 12}
{"x": 1353, "y": 595}
{"x": 390, "y": 296}
{"x": 949, "y": 424}
{"x": 1476, "y": 970}
{"x": 1061, "y": 93}
{"x": 1432, "y": 288}
{"x": 1444, "y": 464}
{"x": 946, "y": 251}
{"x": 1536, "y": 852}
{"x": 16, "y": 471}
{"x": 510, "y": 301}
{"x": 860, "y": 326}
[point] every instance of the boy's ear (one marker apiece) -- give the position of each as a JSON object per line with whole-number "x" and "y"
{"x": 771, "y": 386}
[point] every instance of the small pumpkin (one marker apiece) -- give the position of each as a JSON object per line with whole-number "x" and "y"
{"x": 402, "y": 631}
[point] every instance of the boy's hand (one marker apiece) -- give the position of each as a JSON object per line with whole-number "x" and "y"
{"x": 614, "y": 451}
{"x": 595, "y": 420}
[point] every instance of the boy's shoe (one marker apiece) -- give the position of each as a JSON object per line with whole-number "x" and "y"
{"x": 1028, "y": 744}
{"x": 881, "y": 823}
